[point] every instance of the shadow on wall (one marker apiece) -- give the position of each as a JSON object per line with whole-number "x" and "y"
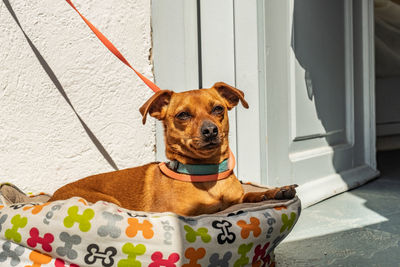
{"x": 318, "y": 42}
{"x": 59, "y": 87}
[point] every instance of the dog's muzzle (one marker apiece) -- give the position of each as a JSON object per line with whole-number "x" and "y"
{"x": 209, "y": 131}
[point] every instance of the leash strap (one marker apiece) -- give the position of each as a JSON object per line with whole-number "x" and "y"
{"x": 114, "y": 50}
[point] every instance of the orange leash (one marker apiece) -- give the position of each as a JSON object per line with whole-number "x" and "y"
{"x": 114, "y": 50}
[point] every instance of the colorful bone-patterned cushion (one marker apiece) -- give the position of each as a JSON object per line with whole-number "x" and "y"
{"x": 76, "y": 233}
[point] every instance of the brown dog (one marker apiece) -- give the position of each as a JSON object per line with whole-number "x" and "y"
{"x": 196, "y": 132}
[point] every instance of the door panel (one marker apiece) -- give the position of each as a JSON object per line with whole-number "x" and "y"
{"x": 309, "y": 75}
{"x": 310, "y": 92}
{"x": 319, "y": 44}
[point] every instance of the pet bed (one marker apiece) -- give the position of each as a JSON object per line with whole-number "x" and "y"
{"x": 76, "y": 233}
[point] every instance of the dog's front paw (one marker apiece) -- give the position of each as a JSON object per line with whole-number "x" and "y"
{"x": 285, "y": 192}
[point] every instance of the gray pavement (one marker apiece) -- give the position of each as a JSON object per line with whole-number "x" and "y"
{"x": 357, "y": 228}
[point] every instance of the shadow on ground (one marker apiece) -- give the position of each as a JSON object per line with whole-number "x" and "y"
{"x": 367, "y": 221}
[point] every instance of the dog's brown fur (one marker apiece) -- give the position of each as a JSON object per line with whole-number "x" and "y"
{"x": 146, "y": 188}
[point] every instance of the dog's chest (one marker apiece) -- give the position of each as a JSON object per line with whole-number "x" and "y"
{"x": 227, "y": 191}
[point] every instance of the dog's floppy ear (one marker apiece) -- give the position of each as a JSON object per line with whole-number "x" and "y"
{"x": 157, "y": 105}
{"x": 231, "y": 94}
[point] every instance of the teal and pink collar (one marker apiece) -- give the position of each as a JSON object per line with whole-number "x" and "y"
{"x": 199, "y": 173}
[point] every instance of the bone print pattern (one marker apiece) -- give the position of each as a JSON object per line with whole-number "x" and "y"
{"x": 132, "y": 251}
{"x": 159, "y": 261}
{"x": 242, "y": 251}
{"x": 73, "y": 233}
{"x": 3, "y": 218}
{"x": 225, "y": 235}
{"x": 69, "y": 242}
{"x": 216, "y": 261}
{"x": 17, "y": 222}
{"x": 61, "y": 263}
{"x": 35, "y": 239}
{"x": 194, "y": 256}
{"x": 38, "y": 259}
{"x": 261, "y": 257}
{"x": 192, "y": 234}
{"x": 83, "y": 220}
{"x": 106, "y": 257}
{"x": 35, "y": 209}
{"x": 253, "y": 226}
{"x": 110, "y": 228}
{"x": 14, "y": 255}
{"x": 135, "y": 226}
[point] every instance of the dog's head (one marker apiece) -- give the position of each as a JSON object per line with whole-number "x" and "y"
{"x": 195, "y": 122}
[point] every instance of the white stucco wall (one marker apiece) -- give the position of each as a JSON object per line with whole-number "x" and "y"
{"x": 43, "y": 144}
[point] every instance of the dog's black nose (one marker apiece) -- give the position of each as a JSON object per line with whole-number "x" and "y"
{"x": 209, "y": 130}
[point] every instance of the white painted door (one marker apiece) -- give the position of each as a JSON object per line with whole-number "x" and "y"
{"x": 305, "y": 68}
{"x": 310, "y": 89}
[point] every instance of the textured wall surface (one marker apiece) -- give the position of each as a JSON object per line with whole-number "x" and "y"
{"x": 68, "y": 107}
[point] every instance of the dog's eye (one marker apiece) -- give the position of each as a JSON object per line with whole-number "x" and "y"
{"x": 218, "y": 110}
{"x": 183, "y": 115}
